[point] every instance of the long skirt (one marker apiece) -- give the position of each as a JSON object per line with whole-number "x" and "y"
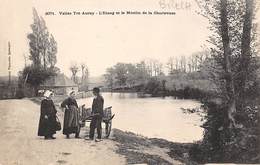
{"x": 71, "y": 121}
{"x": 47, "y": 127}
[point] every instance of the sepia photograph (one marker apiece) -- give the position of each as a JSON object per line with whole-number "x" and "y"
{"x": 128, "y": 82}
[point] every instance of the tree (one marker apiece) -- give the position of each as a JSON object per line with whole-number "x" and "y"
{"x": 84, "y": 77}
{"x": 232, "y": 68}
{"x": 110, "y": 77}
{"x": 86, "y": 74}
{"x": 231, "y": 22}
{"x": 52, "y": 51}
{"x": 83, "y": 66}
{"x": 74, "y": 70}
{"x": 230, "y": 88}
{"x": 123, "y": 74}
{"x": 120, "y": 74}
{"x": 157, "y": 65}
{"x": 35, "y": 39}
{"x": 197, "y": 59}
{"x": 131, "y": 74}
{"x": 153, "y": 67}
{"x": 142, "y": 72}
{"x": 44, "y": 43}
{"x": 183, "y": 64}
{"x": 246, "y": 53}
{"x": 34, "y": 76}
{"x": 176, "y": 64}
{"x": 149, "y": 66}
{"x": 170, "y": 65}
{"x": 43, "y": 47}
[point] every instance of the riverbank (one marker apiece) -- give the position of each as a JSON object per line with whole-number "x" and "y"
{"x": 139, "y": 149}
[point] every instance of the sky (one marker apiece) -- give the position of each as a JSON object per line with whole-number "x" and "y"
{"x": 100, "y": 41}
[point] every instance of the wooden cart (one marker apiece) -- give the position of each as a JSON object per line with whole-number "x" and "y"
{"x": 107, "y": 119}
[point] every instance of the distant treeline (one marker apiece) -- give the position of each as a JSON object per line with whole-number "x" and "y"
{"x": 146, "y": 78}
{"x": 187, "y": 78}
{"x": 157, "y": 87}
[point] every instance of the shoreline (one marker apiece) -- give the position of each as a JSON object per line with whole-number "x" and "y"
{"x": 139, "y": 149}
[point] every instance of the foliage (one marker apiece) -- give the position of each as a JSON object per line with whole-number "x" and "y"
{"x": 224, "y": 144}
{"x": 230, "y": 128}
{"x": 34, "y": 76}
{"x": 43, "y": 50}
{"x": 121, "y": 71}
{"x": 110, "y": 77}
{"x": 123, "y": 74}
{"x": 43, "y": 47}
{"x": 153, "y": 87}
{"x": 189, "y": 64}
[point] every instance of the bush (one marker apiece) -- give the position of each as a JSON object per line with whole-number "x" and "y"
{"x": 152, "y": 87}
{"x": 19, "y": 93}
{"x": 224, "y": 144}
{"x": 36, "y": 75}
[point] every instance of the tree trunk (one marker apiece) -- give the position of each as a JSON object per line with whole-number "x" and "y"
{"x": 245, "y": 48}
{"x": 44, "y": 58}
{"x": 227, "y": 66}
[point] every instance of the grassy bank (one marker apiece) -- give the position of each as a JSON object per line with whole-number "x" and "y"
{"x": 140, "y": 149}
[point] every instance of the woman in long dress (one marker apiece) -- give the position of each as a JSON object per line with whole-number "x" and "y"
{"x": 71, "y": 116}
{"x": 47, "y": 123}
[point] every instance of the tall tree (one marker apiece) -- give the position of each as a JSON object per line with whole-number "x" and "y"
{"x": 227, "y": 123}
{"x": 246, "y": 47}
{"x": 170, "y": 65}
{"x": 183, "y": 64}
{"x": 35, "y": 40}
{"x": 176, "y": 64}
{"x": 227, "y": 60}
{"x": 43, "y": 47}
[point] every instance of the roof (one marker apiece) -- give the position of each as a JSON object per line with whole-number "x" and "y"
{"x": 60, "y": 80}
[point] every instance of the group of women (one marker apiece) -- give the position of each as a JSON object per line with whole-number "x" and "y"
{"x": 48, "y": 119}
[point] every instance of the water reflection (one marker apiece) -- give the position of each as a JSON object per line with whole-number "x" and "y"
{"x": 153, "y": 117}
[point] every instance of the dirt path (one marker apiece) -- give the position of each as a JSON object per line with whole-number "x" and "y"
{"x": 20, "y": 145}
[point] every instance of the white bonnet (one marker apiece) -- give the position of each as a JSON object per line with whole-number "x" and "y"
{"x": 70, "y": 92}
{"x": 47, "y": 93}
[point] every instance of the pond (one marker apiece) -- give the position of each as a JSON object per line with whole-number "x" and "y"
{"x": 153, "y": 116}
